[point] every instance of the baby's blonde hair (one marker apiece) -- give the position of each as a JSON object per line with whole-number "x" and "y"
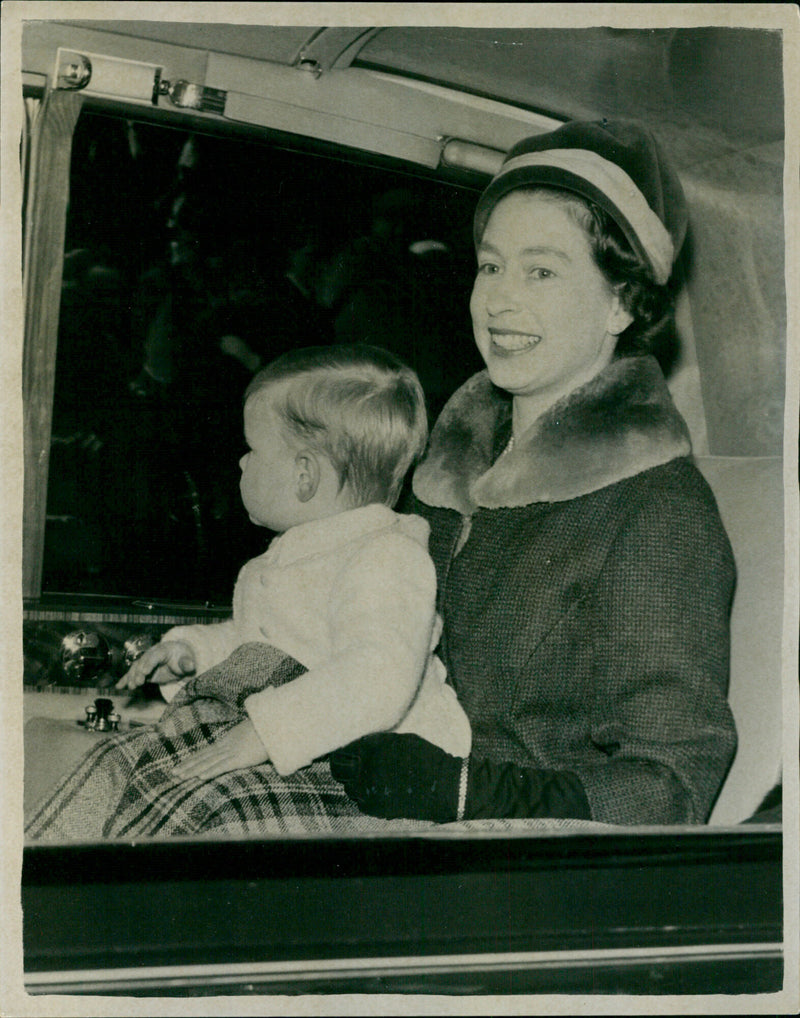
{"x": 359, "y": 405}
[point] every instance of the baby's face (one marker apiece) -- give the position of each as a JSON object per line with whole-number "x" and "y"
{"x": 267, "y": 484}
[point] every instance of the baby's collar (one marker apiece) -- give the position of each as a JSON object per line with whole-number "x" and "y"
{"x": 324, "y": 535}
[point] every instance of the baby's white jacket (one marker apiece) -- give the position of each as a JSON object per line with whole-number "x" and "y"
{"x": 352, "y": 597}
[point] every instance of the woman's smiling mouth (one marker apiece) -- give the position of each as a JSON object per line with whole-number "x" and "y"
{"x": 513, "y": 342}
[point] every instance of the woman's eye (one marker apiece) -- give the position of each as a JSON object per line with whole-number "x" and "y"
{"x": 539, "y": 273}
{"x": 487, "y": 269}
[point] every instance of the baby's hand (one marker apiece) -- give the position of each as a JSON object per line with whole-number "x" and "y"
{"x": 165, "y": 662}
{"x": 239, "y": 747}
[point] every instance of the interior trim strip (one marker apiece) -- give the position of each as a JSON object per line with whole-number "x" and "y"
{"x": 95, "y": 980}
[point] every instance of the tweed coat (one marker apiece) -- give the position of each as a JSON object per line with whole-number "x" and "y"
{"x": 585, "y": 581}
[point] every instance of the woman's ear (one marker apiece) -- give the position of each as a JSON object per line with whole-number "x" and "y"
{"x": 619, "y": 318}
{"x": 307, "y": 473}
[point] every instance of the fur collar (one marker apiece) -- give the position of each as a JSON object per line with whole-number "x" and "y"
{"x": 619, "y": 424}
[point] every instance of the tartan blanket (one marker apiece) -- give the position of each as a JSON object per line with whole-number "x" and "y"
{"x": 124, "y": 786}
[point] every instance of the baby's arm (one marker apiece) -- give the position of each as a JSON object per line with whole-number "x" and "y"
{"x": 211, "y": 642}
{"x": 182, "y": 652}
{"x": 381, "y": 617}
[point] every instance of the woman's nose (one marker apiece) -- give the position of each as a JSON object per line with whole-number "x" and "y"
{"x": 502, "y": 294}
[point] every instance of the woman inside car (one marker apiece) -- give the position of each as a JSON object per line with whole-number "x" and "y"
{"x": 585, "y": 578}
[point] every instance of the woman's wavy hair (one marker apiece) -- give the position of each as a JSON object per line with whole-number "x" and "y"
{"x": 651, "y": 306}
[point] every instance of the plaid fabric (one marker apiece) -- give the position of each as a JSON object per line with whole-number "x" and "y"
{"x": 124, "y": 787}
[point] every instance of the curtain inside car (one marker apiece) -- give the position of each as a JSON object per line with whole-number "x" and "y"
{"x": 45, "y": 207}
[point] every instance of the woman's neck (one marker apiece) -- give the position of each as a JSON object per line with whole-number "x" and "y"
{"x": 525, "y": 411}
{"x": 528, "y": 407}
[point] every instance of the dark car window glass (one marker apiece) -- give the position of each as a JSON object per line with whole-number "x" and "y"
{"x": 189, "y": 261}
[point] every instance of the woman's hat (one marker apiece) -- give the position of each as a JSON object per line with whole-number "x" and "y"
{"x": 617, "y": 165}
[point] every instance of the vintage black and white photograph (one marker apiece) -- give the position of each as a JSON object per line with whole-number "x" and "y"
{"x": 400, "y": 507}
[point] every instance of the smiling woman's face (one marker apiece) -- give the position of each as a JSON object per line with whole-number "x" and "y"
{"x": 545, "y": 318}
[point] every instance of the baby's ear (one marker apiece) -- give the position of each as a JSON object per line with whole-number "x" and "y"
{"x": 307, "y": 475}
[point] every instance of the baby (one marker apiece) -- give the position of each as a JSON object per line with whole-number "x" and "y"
{"x": 347, "y": 588}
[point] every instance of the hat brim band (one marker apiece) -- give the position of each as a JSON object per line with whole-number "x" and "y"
{"x": 603, "y": 182}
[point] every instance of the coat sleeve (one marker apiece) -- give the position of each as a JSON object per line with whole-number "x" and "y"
{"x": 381, "y": 616}
{"x": 660, "y": 720}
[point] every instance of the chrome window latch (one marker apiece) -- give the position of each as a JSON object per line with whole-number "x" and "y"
{"x": 130, "y": 79}
{"x": 187, "y": 96}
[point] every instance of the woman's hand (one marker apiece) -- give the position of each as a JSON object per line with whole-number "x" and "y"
{"x": 391, "y": 775}
{"x": 237, "y": 748}
{"x": 165, "y": 662}
{"x": 394, "y": 776}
